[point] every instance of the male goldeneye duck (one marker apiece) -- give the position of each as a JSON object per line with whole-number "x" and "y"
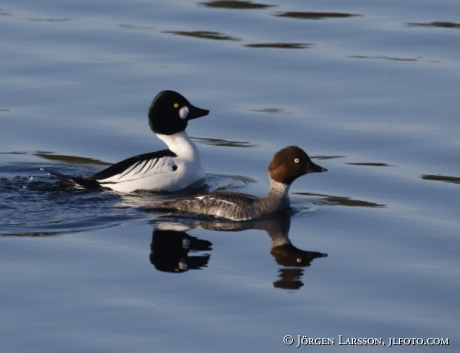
{"x": 168, "y": 170}
{"x": 286, "y": 166}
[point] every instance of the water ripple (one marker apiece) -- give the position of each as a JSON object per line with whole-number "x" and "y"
{"x": 235, "y": 5}
{"x": 203, "y": 35}
{"x": 34, "y": 204}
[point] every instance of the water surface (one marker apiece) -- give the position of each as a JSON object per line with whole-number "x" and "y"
{"x": 369, "y": 90}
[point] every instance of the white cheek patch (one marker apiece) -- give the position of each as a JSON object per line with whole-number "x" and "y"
{"x": 183, "y": 112}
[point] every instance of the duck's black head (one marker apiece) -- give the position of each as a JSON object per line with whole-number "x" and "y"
{"x": 170, "y": 112}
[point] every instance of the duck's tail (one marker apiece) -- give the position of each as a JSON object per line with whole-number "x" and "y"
{"x": 86, "y": 182}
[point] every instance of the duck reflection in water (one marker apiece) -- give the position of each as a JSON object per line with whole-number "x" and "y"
{"x": 289, "y": 256}
{"x": 174, "y": 256}
{"x": 169, "y": 251}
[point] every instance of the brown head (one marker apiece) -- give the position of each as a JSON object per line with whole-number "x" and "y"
{"x": 290, "y": 163}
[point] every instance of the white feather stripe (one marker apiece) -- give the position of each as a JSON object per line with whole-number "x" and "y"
{"x": 127, "y": 171}
{"x": 149, "y": 164}
{"x": 143, "y": 169}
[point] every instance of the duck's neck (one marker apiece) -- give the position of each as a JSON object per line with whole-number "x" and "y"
{"x": 181, "y": 145}
{"x": 280, "y": 192}
{"x": 276, "y": 200}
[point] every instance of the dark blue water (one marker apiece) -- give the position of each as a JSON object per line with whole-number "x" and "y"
{"x": 369, "y": 90}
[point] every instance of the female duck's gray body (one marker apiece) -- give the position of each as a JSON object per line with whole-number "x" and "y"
{"x": 286, "y": 166}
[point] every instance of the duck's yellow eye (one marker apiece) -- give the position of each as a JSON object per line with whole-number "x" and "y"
{"x": 176, "y": 105}
{"x": 297, "y": 160}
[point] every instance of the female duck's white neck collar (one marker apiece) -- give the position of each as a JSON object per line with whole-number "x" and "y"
{"x": 278, "y": 190}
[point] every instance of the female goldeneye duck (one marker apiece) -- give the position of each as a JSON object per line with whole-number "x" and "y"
{"x": 168, "y": 170}
{"x": 286, "y": 166}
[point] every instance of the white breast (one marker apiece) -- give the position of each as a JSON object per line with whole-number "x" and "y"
{"x": 163, "y": 174}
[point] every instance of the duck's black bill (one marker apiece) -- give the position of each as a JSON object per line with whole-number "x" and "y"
{"x": 314, "y": 168}
{"x": 196, "y": 112}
